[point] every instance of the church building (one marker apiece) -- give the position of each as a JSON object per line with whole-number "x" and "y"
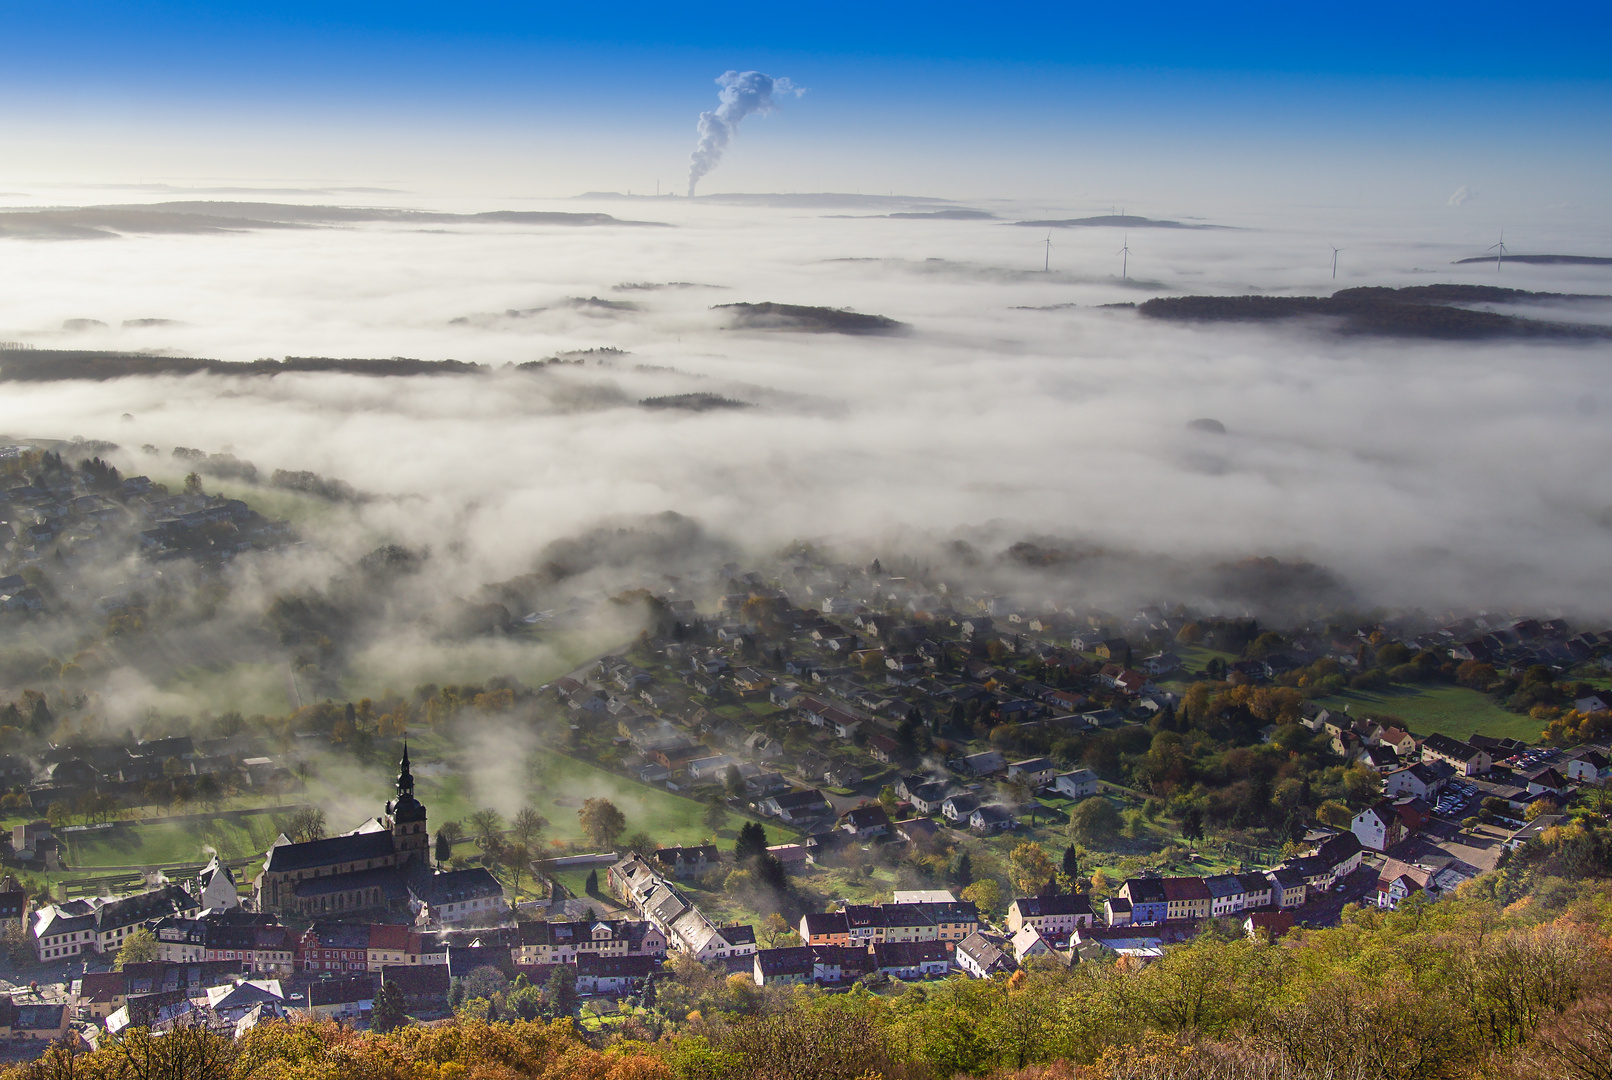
{"x": 370, "y": 868}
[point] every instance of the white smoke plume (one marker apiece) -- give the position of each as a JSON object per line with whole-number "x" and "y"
{"x": 743, "y": 93}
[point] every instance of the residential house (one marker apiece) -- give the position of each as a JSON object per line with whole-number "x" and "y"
{"x": 686, "y": 861}
{"x": 1147, "y": 898}
{"x": 989, "y": 819}
{"x": 100, "y": 994}
{"x": 1587, "y": 764}
{"x": 1080, "y": 784}
{"x": 1117, "y": 911}
{"x": 1399, "y": 741}
{"x": 1161, "y": 663}
{"x": 1187, "y": 898}
{"x": 984, "y": 764}
{"x": 1423, "y": 780}
{"x": 788, "y": 966}
{"x": 1343, "y": 852}
{"x": 1288, "y": 887}
{"x": 1226, "y": 894}
{"x": 602, "y": 975}
{"x": 930, "y": 798}
{"x": 1378, "y": 827}
{"x": 982, "y": 955}
{"x": 1465, "y": 759}
{"x": 1056, "y": 916}
{"x": 825, "y": 928}
{"x": 958, "y": 807}
{"x": 342, "y": 997}
{"x": 796, "y": 806}
{"x": 1027, "y": 942}
{"x": 45, "y": 1022}
{"x": 912, "y": 959}
{"x": 1268, "y": 926}
{"x": 1256, "y": 891}
{"x": 866, "y": 822}
{"x": 1379, "y": 758}
{"x": 1037, "y": 772}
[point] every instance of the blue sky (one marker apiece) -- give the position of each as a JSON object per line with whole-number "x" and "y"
{"x": 1046, "y": 86}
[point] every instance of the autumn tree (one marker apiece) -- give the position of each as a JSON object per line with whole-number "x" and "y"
{"x": 1093, "y": 821}
{"x": 986, "y": 895}
{"x": 306, "y": 823}
{"x": 714, "y": 816}
{"x": 1029, "y": 868}
{"x": 528, "y": 825}
{"x": 487, "y": 827}
{"x": 601, "y": 821}
{"x": 140, "y": 947}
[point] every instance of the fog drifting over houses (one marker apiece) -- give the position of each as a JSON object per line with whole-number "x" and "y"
{"x": 1015, "y": 405}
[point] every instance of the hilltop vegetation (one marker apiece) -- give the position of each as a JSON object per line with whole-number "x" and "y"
{"x": 52, "y": 365}
{"x": 1422, "y": 312}
{"x": 812, "y": 320}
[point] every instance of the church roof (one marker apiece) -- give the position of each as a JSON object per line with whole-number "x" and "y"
{"x": 330, "y": 851}
{"x": 390, "y": 879}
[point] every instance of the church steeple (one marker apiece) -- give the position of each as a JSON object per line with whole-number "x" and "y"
{"x": 405, "y": 778}
{"x": 407, "y": 815}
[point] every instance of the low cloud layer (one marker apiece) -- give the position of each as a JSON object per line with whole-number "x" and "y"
{"x": 1016, "y": 407}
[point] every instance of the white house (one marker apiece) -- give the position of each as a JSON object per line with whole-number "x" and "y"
{"x": 1080, "y": 784}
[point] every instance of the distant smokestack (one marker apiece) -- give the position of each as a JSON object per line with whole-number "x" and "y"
{"x": 742, "y": 93}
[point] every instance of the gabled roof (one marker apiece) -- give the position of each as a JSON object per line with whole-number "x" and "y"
{"x": 985, "y": 953}
{"x": 1031, "y": 907}
{"x": 1181, "y": 889}
{"x": 330, "y": 851}
{"x": 796, "y": 960}
{"x": 826, "y": 922}
{"x": 456, "y": 886}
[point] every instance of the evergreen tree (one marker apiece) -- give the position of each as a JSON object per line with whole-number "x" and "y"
{"x": 1071, "y": 863}
{"x": 752, "y": 841}
{"x": 592, "y": 885}
{"x": 391, "y": 1011}
{"x": 41, "y": 720}
{"x": 561, "y": 991}
{"x": 963, "y": 871}
{"x": 444, "y": 848}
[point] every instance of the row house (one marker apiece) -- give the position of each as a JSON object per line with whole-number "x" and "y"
{"x": 100, "y": 925}
{"x": 564, "y": 942}
{"x": 335, "y": 947}
{"x": 864, "y": 925}
{"x": 821, "y": 965}
{"x": 1055, "y": 916}
{"x": 1465, "y": 759}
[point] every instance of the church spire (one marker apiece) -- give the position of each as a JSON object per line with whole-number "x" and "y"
{"x": 405, "y": 778}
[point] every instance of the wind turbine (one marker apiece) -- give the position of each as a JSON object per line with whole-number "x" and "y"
{"x": 1499, "y": 251}
{"x": 1125, "y": 260}
{"x": 1335, "y": 250}
{"x": 1047, "y": 264}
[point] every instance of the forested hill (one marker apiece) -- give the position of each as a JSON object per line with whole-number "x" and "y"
{"x": 49, "y": 365}
{"x": 1430, "y": 311}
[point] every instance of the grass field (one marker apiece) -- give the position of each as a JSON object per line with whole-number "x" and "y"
{"x": 182, "y": 842}
{"x": 248, "y": 689}
{"x": 557, "y": 785}
{"x": 1447, "y": 710}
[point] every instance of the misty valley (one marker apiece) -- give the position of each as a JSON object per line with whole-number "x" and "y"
{"x": 711, "y": 633}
